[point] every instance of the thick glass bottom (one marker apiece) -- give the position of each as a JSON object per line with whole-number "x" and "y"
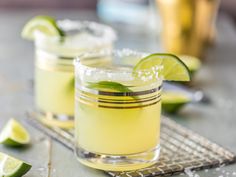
{"x": 118, "y": 162}
{"x": 56, "y": 120}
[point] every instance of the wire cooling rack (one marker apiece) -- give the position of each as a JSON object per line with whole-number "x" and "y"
{"x": 181, "y": 149}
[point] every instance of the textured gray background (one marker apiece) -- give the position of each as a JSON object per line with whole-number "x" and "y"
{"x": 216, "y": 121}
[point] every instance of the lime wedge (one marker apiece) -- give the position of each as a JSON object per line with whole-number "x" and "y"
{"x": 14, "y": 134}
{"x": 173, "y": 68}
{"x": 11, "y": 167}
{"x": 109, "y": 86}
{"x": 172, "y": 101}
{"x": 44, "y": 24}
{"x": 191, "y": 62}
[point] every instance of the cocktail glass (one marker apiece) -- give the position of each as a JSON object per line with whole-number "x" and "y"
{"x": 117, "y": 111}
{"x": 54, "y": 70}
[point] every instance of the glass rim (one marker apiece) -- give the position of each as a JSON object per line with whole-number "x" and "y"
{"x": 139, "y": 81}
{"x": 108, "y": 34}
{"x": 115, "y": 52}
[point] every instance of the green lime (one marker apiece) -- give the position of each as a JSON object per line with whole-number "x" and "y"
{"x": 191, "y": 62}
{"x": 172, "y": 101}
{"x": 11, "y": 167}
{"x": 172, "y": 68}
{"x": 44, "y": 24}
{"x": 109, "y": 86}
{"x": 14, "y": 134}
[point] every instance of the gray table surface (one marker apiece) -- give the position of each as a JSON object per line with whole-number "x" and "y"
{"x": 215, "y": 121}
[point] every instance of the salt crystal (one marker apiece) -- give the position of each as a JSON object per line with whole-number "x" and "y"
{"x": 222, "y": 165}
{"x": 190, "y": 173}
{"x": 41, "y": 169}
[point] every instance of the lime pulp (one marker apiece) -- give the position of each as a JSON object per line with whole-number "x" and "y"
{"x": 169, "y": 66}
{"x": 45, "y": 24}
{"x": 12, "y": 167}
{"x": 173, "y": 101}
{"x": 14, "y": 134}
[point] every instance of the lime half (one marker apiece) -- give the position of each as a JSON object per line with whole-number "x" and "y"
{"x": 173, "y": 69}
{"x": 11, "y": 167}
{"x": 14, "y": 134}
{"x": 44, "y": 24}
{"x": 172, "y": 101}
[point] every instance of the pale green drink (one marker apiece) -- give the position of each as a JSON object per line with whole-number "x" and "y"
{"x": 54, "y": 71}
{"x": 117, "y": 119}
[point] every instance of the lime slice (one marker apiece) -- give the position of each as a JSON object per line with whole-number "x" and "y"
{"x": 191, "y": 62}
{"x": 44, "y": 24}
{"x": 172, "y": 101}
{"x": 14, "y": 134}
{"x": 109, "y": 86}
{"x": 173, "y": 68}
{"x": 11, "y": 167}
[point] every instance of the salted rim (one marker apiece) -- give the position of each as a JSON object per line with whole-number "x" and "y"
{"x": 105, "y": 32}
{"x": 127, "y": 52}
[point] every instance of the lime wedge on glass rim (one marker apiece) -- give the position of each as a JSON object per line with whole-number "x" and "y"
{"x": 14, "y": 134}
{"x": 44, "y": 24}
{"x": 12, "y": 167}
{"x": 173, "y": 69}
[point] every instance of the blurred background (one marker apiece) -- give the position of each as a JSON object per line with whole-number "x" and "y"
{"x": 228, "y": 6}
{"x": 149, "y": 17}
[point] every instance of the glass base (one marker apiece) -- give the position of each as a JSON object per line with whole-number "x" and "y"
{"x": 56, "y": 120}
{"x": 118, "y": 162}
